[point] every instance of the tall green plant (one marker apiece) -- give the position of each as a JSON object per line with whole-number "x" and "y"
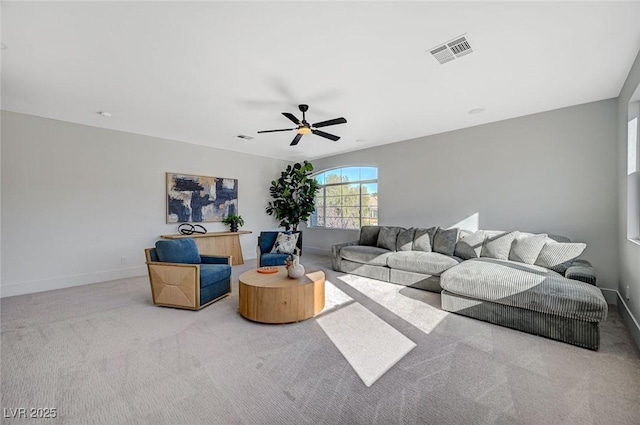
{"x": 293, "y": 195}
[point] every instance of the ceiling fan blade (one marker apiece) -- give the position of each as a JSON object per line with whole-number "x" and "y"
{"x": 334, "y": 121}
{"x": 325, "y": 135}
{"x": 296, "y": 140}
{"x": 273, "y": 131}
{"x": 291, "y": 117}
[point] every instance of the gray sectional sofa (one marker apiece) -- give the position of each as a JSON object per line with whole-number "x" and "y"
{"x": 533, "y": 283}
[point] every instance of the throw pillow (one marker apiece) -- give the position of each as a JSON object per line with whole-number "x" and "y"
{"x": 445, "y": 240}
{"x": 369, "y": 235}
{"x": 387, "y": 237}
{"x": 285, "y": 243}
{"x": 558, "y": 238}
{"x": 558, "y": 256}
{"x": 405, "y": 239}
{"x": 423, "y": 239}
{"x": 526, "y": 249}
{"x": 498, "y": 245}
{"x": 469, "y": 246}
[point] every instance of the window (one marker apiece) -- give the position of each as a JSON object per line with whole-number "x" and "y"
{"x": 347, "y": 199}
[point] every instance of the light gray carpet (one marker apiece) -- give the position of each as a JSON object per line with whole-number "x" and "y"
{"x": 103, "y": 354}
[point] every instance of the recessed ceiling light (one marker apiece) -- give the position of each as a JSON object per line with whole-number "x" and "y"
{"x": 104, "y": 114}
{"x": 476, "y": 111}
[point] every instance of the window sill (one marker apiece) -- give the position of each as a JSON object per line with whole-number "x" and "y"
{"x": 634, "y": 240}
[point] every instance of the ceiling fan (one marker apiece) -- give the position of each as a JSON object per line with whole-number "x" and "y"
{"x": 304, "y": 127}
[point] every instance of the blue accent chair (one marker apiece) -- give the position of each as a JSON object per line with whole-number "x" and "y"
{"x": 181, "y": 277}
{"x": 266, "y": 240}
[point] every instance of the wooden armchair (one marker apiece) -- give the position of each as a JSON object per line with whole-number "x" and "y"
{"x": 180, "y": 277}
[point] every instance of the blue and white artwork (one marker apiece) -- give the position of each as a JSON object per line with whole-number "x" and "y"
{"x": 197, "y": 199}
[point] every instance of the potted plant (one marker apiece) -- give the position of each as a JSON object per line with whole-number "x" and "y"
{"x": 293, "y": 195}
{"x": 233, "y": 221}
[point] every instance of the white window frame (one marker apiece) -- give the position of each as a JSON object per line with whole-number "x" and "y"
{"x": 358, "y": 182}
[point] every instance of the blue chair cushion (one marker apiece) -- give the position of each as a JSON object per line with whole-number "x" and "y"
{"x": 267, "y": 240}
{"x": 214, "y": 291}
{"x": 212, "y": 273}
{"x": 182, "y": 251}
{"x": 153, "y": 255}
{"x": 273, "y": 259}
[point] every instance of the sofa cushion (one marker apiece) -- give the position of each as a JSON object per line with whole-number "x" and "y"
{"x": 558, "y": 256}
{"x": 525, "y": 286}
{"x": 526, "y": 248}
{"x": 423, "y": 239}
{"x": 369, "y": 235}
{"x": 405, "y": 239}
{"x": 365, "y": 254}
{"x": 558, "y": 238}
{"x": 182, "y": 251}
{"x": 431, "y": 263}
{"x": 497, "y": 244}
{"x": 445, "y": 240}
{"x": 581, "y": 270}
{"x": 470, "y": 245}
{"x": 388, "y": 237}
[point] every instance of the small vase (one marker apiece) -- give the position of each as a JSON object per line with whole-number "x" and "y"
{"x": 296, "y": 270}
{"x": 233, "y": 227}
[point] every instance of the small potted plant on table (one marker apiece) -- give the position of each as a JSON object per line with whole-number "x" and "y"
{"x": 233, "y": 221}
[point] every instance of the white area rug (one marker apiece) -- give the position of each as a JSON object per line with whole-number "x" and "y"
{"x": 370, "y": 345}
{"x": 408, "y": 303}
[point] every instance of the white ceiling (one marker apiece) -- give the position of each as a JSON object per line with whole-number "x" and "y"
{"x": 205, "y": 72}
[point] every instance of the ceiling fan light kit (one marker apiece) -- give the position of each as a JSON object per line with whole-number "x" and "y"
{"x": 303, "y": 127}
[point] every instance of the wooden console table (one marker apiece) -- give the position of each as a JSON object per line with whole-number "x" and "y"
{"x": 217, "y": 243}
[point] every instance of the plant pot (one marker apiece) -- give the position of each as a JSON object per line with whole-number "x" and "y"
{"x": 233, "y": 227}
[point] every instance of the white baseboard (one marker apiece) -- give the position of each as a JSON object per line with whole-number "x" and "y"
{"x": 29, "y": 287}
{"x": 623, "y": 308}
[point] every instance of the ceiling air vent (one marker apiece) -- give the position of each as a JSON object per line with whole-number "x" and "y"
{"x": 244, "y": 137}
{"x": 452, "y": 50}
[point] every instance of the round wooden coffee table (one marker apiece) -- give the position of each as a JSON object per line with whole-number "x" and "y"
{"x": 276, "y": 298}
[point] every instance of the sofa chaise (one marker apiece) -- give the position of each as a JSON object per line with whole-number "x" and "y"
{"x": 532, "y": 283}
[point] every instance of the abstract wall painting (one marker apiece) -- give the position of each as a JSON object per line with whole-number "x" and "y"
{"x": 197, "y": 199}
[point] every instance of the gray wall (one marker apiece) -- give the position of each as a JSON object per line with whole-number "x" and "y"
{"x": 629, "y": 250}
{"x": 553, "y": 172}
{"x": 75, "y": 199}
